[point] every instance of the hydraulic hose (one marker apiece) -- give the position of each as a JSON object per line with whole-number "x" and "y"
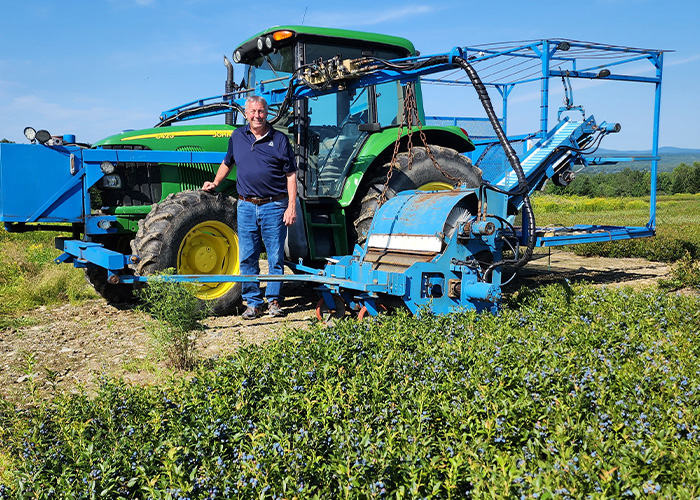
{"x": 208, "y": 108}
{"x": 512, "y": 159}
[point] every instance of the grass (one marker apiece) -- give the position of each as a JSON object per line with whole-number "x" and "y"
{"x": 29, "y": 277}
{"x": 570, "y": 392}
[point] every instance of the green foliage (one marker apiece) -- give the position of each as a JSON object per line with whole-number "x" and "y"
{"x": 567, "y": 393}
{"x": 686, "y": 179}
{"x": 29, "y": 277}
{"x": 659, "y": 249}
{"x": 578, "y": 204}
{"x": 627, "y": 182}
{"x": 684, "y": 274}
{"x": 177, "y": 314}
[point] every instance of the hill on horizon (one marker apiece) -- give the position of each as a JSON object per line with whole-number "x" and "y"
{"x": 670, "y": 158}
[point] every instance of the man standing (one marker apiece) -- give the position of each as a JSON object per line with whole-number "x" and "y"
{"x": 267, "y": 189}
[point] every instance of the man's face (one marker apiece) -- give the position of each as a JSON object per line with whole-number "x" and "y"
{"x": 256, "y": 115}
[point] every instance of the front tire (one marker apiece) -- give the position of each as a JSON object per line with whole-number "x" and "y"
{"x": 422, "y": 175}
{"x": 193, "y": 232}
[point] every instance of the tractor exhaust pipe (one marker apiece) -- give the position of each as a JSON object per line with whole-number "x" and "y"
{"x": 229, "y": 87}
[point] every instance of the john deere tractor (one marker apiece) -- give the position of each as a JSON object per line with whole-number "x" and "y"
{"x": 344, "y": 141}
{"x": 354, "y": 147}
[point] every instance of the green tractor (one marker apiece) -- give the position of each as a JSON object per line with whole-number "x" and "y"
{"x": 346, "y": 144}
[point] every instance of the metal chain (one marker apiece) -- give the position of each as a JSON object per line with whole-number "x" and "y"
{"x": 410, "y": 112}
{"x": 394, "y": 157}
{"x": 412, "y": 97}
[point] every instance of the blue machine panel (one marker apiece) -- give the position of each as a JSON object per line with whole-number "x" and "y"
{"x": 44, "y": 188}
{"x": 421, "y": 213}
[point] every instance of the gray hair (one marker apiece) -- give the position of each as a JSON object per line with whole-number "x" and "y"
{"x": 257, "y": 99}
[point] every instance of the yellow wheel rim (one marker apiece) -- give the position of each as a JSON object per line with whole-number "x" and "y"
{"x": 209, "y": 248}
{"x": 436, "y": 186}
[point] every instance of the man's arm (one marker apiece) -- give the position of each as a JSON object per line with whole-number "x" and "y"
{"x": 221, "y": 174}
{"x": 290, "y": 215}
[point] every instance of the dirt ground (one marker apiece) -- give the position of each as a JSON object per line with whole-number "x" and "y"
{"x": 66, "y": 348}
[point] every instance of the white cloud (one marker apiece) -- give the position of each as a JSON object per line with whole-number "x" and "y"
{"x": 142, "y": 3}
{"x": 396, "y": 14}
{"x": 670, "y": 61}
{"x": 359, "y": 18}
{"x": 180, "y": 54}
{"x": 89, "y": 121}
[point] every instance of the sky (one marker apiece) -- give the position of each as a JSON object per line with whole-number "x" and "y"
{"x": 96, "y": 67}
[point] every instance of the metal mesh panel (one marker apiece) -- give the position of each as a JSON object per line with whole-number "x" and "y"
{"x": 141, "y": 183}
{"x": 493, "y": 161}
{"x": 477, "y": 128}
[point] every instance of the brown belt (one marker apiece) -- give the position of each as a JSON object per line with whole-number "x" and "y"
{"x": 262, "y": 201}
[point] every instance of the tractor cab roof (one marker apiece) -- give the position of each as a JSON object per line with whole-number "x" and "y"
{"x": 276, "y": 36}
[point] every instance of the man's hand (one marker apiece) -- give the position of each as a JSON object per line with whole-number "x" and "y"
{"x": 290, "y": 215}
{"x": 221, "y": 174}
{"x": 209, "y": 186}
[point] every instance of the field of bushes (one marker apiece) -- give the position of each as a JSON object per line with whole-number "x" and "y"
{"x": 569, "y": 392}
{"x": 677, "y": 220}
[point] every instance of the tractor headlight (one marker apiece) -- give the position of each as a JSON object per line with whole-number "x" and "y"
{"x": 30, "y": 134}
{"x": 112, "y": 181}
{"x": 107, "y": 167}
{"x": 237, "y": 56}
{"x": 261, "y": 44}
{"x": 43, "y": 136}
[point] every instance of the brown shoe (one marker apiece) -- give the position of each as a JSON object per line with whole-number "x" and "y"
{"x": 275, "y": 310}
{"x": 251, "y": 313}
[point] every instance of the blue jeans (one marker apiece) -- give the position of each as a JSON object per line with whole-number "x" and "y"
{"x": 260, "y": 225}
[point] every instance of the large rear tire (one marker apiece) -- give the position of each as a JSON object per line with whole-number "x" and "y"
{"x": 421, "y": 176}
{"x": 193, "y": 232}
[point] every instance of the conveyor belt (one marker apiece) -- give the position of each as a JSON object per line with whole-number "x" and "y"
{"x": 559, "y": 136}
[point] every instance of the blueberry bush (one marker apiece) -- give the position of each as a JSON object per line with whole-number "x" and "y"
{"x": 568, "y": 392}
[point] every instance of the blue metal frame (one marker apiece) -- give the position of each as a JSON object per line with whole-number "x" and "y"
{"x": 554, "y": 53}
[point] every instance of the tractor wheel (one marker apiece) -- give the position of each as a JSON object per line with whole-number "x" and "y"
{"x": 421, "y": 176}
{"x": 193, "y": 232}
{"x": 97, "y": 276}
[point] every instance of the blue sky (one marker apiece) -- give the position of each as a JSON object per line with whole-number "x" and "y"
{"x": 96, "y": 67}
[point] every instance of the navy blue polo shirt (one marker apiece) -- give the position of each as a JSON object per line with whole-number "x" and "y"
{"x": 262, "y": 165}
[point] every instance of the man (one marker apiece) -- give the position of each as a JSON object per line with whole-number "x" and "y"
{"x": 267, "y": 189}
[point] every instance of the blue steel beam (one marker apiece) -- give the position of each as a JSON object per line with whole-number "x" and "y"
{"x": 578, "y": 234}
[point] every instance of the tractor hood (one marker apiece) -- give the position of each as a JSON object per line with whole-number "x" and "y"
{"x": 185, "y": 138}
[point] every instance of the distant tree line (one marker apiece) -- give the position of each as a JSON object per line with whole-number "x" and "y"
{"x": 682, "y": 179}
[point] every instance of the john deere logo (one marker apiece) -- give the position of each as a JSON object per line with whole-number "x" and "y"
{"x": 181, "y": 133}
